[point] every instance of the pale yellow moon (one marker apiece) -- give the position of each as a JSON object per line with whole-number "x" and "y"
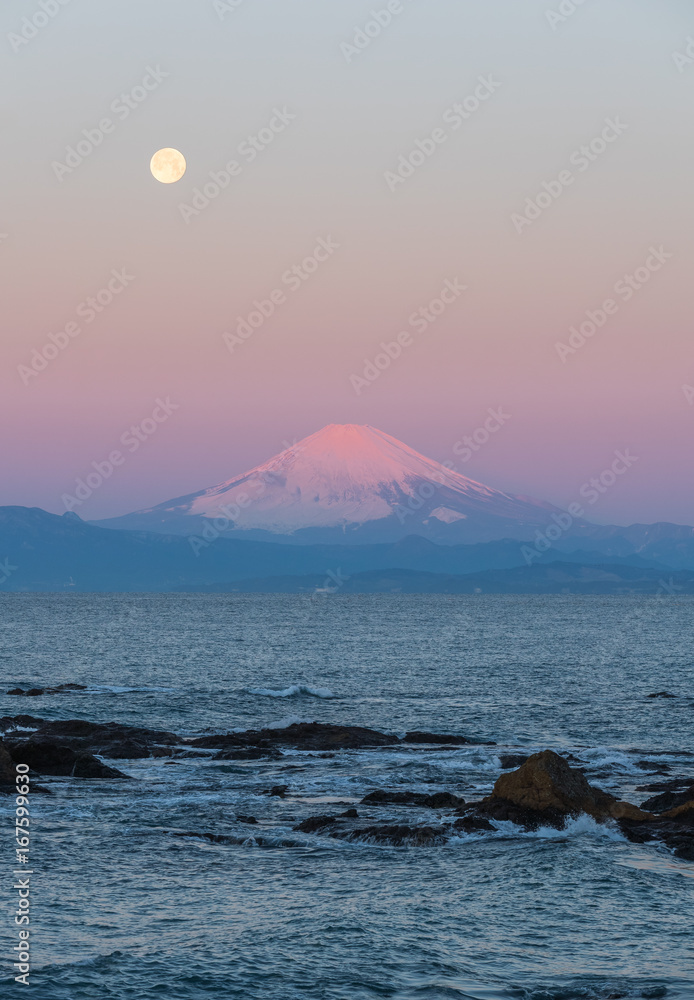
{"x": 168, "y": 165}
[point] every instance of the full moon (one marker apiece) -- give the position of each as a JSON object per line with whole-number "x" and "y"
{"x": 168, "y": 165}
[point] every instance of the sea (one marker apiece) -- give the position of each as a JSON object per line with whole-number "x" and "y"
{"x": 132, "y": 900}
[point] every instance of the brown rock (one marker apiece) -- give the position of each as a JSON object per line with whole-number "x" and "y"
{"x": 683, "y": 813}
{"x": 625, "y": 810}
{"x": 546, "y": 787}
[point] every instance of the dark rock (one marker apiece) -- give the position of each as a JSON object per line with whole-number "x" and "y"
{"x": 349, "y": 814}
{"x": 545, "y": 791}
{"x": 278, "y": 791}
{"x": 420, "y": 836}
{"x": 248, "y": 753}
{"x": 661, "y": 694}
{"x": 671, "y": 785}
{"x": 251, "y": 820}
{"x": 470, "y": 824}
{"x": 438, "y": 800}
{"x": 314, "y": 823}
{"x": 653, "y": 767}
{"x": 55, "y": 759}
{"x": 512, "y": 759}
{"x": 112, "y": 739}
{"x": 439, "y": 738}
{"x": 60, "y": 689}
{"x": 669, "y": 800}
{"x": 302, "y": 736}
{"x": 8, "y": 773}
{"x": 674, "y": 828}
{"x": 25, "y": 721}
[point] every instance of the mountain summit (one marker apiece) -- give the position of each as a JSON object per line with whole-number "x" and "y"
{"x": 349, "y": 482}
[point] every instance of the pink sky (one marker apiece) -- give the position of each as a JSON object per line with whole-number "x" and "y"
{"x": 324, "y": 177}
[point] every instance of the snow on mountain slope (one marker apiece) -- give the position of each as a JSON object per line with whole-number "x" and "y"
{"x": 350, "y": 475}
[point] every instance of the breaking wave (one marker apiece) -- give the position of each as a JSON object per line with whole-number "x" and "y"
{"x": 293, "y": 691}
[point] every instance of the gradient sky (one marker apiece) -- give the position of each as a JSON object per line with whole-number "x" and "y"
{"x": 324, "y": 176}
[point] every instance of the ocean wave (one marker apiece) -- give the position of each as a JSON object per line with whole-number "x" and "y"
{"x": 580, "y": 826}
{"x": 292, "y": 691}
{"x": 287, "y": 721}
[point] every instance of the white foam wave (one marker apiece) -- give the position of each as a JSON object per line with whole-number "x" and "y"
{"x": 292, "y": 691}
{"x": 287, "y": 721}
{"x": 580, "y": 826}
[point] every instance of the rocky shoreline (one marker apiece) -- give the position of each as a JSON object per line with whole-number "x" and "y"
{"x": 537, "y": 791}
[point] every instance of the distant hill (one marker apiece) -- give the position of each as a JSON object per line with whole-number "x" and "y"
{"x": 555, "y": 578}
{"x": 47, "y": 552}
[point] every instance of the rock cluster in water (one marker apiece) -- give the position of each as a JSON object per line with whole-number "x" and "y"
{"x": 543, "y": 790}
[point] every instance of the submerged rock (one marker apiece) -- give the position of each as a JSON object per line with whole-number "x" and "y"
{"x": 277, "y": 791}
{"x": 546, "y": 791}
{"x": 508, "y": 760}
{"x": 472, "y": 823}
{"x": 314, "y": 823}
{"x": 60, "y": 689}
{"x": 396, "y": 836}
{"x": 661, "y": 694}
{"x": 248, "y": 753}
{"x": 440, "y": 739}
{"x": 437, "y": 800}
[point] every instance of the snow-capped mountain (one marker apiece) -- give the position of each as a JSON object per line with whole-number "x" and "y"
{"x": 349, "y": 483}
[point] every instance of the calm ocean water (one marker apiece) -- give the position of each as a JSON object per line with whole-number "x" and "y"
{"x": 124, "y": 909}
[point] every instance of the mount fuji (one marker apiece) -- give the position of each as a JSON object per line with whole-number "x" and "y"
{"x": 348, "y": 484}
